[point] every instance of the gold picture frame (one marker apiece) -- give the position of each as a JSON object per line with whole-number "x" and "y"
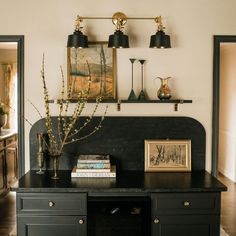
{"x": 167, "y": 156}
{"x": 102, "y": 64}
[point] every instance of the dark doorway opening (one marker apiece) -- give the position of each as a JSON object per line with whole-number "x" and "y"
{"x": 19, "y": 40}
{"x": 218, "y": 39}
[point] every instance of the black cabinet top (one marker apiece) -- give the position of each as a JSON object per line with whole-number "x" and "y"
{"x": 135, "y": 182}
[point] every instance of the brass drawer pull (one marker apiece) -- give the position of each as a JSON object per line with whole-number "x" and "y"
{"x": 186, "y": 203}
{"x": 51, "y": 204}
{"x": 81, "y": 221}
{"x": 156, "y": 221}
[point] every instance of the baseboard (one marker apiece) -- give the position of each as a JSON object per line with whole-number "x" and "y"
{"x": 229, "y": 174}
{"x": 13, "y": 232}
{"x": 222, "y": 232}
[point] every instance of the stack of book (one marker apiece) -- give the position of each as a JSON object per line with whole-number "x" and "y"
{"x": 94, "y": 166}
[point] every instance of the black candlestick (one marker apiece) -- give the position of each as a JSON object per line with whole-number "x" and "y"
{"x": 142, "y": 95}
{"x": 132, "y": 95}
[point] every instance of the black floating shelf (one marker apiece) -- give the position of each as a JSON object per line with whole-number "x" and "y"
{"x": 176, "y": 102}
{"x": 127, "y": 101}
{"x": 89, "y": 101}
{"x": 157, "y": 101}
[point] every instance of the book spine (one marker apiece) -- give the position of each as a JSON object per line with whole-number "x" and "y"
{"x": 93, "y": 175}
{"x": 92, "y": 161}
{"x": 93, "y": 170}
{"x": 93, "y": 165}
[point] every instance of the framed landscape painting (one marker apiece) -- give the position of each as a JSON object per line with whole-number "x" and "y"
{"x": 102, "y": 65}
{"x": 167, "y": 155}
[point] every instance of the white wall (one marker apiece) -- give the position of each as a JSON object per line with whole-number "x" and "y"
{"x": 190, "y": 23}
{"x": 227, "y": 125}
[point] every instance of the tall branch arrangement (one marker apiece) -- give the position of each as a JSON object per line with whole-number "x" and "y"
{"x": 68, "y": 129}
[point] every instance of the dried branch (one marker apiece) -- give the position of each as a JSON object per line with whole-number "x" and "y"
{"x": 60, "y": 102}
{"x": 35, "y": 108}
{"x": 88, "y": 120}
{"x": 66, "y": 126}
{"x": 96, "y": 128}
{"x": 48, "y": 123}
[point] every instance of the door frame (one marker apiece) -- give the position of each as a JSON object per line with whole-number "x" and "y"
{"x": 19, "y": 39}
{"x": 218, "y": 39}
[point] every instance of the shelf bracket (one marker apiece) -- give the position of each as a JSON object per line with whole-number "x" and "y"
{"x": 118, "y": 105}
{"x": 176, "y": 105}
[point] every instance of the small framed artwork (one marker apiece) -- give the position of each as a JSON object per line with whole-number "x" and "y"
{"x": 102, "y": 65}
{"x": 167, "y": 155}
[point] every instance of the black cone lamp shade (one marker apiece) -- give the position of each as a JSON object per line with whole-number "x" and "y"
{"x": 118, "y": 40}
{"x": 160, "y": 40}
{"x": 77, "y": 40}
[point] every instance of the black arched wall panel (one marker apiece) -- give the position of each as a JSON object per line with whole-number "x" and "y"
{"x": 123, "y": 138}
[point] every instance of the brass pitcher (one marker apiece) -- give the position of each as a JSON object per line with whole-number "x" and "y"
{"x": 164, "y": 92}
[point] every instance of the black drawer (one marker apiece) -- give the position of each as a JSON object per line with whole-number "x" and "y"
{"x": 52, "y": 203}
{"x": 185, "y": 203}
{"x": 51, "y": 225}
{"x": 186, "y": 225}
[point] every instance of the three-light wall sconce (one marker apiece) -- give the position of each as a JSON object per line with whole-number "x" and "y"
{"x": 119, "y": 39}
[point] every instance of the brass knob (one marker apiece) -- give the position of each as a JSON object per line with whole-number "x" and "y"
{"x": 81, "y": 221}
{"x": 186, "y": 203}
{"x": 51, "y": 204}
{"x": 156, "y": 221}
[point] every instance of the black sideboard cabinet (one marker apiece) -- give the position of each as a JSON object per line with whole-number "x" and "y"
{"x": 134, "y": 203}
{"x": 181, "y": 204}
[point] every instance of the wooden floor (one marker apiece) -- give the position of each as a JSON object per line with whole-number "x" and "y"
{"x": 228, "y": 216}
{"x": 7, "y": 214}
{"x": 228, "y": 206}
